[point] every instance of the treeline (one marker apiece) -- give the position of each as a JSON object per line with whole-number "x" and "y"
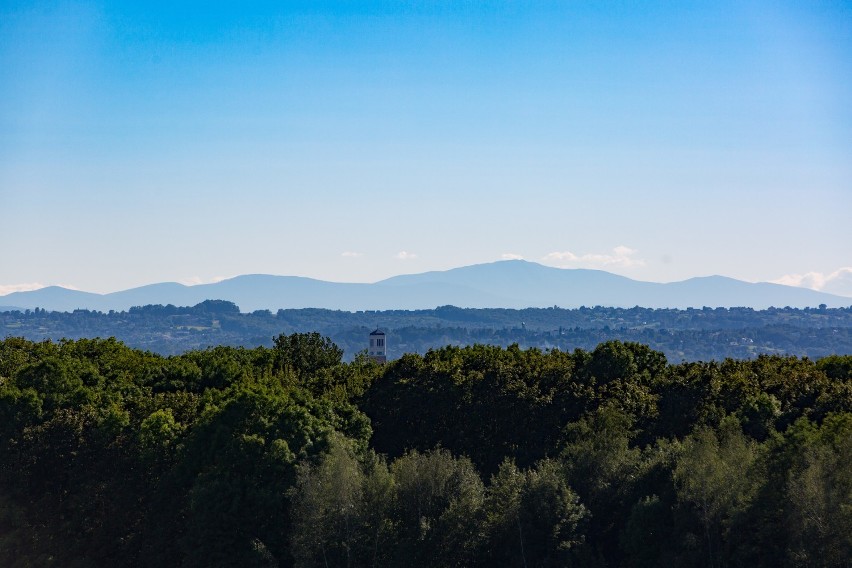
{"x": 474, "y": 456}
{"x": 683, "y": 335}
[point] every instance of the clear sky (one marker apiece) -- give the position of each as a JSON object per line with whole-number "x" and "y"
{"x": 188, "y": 141}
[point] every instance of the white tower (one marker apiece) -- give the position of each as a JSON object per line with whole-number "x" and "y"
{"x": 378, "y": 346}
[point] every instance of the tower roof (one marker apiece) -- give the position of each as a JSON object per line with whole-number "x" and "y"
{"x": 377, "y": 332}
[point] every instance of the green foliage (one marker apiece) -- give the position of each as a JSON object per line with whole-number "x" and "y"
{"x": 819, "y": 492}
{"x": 485, "y": 402}
{"x": 268, "y": 456}
{"x": 683, "y": 335}
{"x": 646, "y": 532}
{"x": 306, "y": 353}
{"x": 601, "y": 465}
{"x": 436, "y": 505}
{"x": 597, "y": 456}
{"x": 158, "y": 434}
{"x": 351, "y": 511}
{"x": 836, "y": 366}
{"x": 244, "y": 450}
{"x": 204, "y": 445}
{"x": 533, "y": 518}
{"x": 713, "y": 476}
{"x": 331, "y": 520}
{"x": 58, "y": 382}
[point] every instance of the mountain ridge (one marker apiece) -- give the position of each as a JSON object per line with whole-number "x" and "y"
{"x": 502, "y": 284}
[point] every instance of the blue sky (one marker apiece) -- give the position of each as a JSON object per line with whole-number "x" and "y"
{"x": 351, "y": 141}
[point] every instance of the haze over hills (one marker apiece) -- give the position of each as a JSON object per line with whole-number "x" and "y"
{"x": 505, "y": 284}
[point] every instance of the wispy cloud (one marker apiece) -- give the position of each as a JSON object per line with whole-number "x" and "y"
{"x": 351, "y": 254}
{"x": 405, "y": 255}
{"x": 838, "y": 282}
{"x": 9, "y": 288}
{"x": 620, "y": 256}
{"x": 196, "y": 280}
{"x": 511, "y": 256}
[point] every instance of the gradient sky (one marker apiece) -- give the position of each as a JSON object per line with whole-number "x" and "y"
{"x": 144, "y": 141}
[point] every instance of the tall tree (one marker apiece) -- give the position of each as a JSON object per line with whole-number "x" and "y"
{"x": 712, "y": 474}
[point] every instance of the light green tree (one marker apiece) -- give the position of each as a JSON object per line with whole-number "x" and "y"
{"x": 712, "y": 474}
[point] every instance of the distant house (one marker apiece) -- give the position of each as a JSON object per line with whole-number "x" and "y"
{"x": 378, "y": 346}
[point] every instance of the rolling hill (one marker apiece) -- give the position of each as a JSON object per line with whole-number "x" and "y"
{"x": 504, "y": 284}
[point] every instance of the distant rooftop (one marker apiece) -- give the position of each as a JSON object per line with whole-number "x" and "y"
{"x": 377, "y": 332}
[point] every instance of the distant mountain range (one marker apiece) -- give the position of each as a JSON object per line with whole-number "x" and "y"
{"x": 506, "y": 284}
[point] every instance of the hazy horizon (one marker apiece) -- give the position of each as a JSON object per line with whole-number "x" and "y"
{"x": 352, "y": 142}
{"x": 224, "y": 278}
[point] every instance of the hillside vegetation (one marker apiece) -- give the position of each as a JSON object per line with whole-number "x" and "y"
{"x": 475, "y": 456}
{"x": 690, "y": 335}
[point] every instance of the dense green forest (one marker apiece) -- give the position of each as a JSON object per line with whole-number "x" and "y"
{"x": 683, "y": 335}
{"x": 463, "y": 456}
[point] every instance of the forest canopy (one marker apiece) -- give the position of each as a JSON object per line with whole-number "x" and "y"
{"x": 288, "y": 455}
